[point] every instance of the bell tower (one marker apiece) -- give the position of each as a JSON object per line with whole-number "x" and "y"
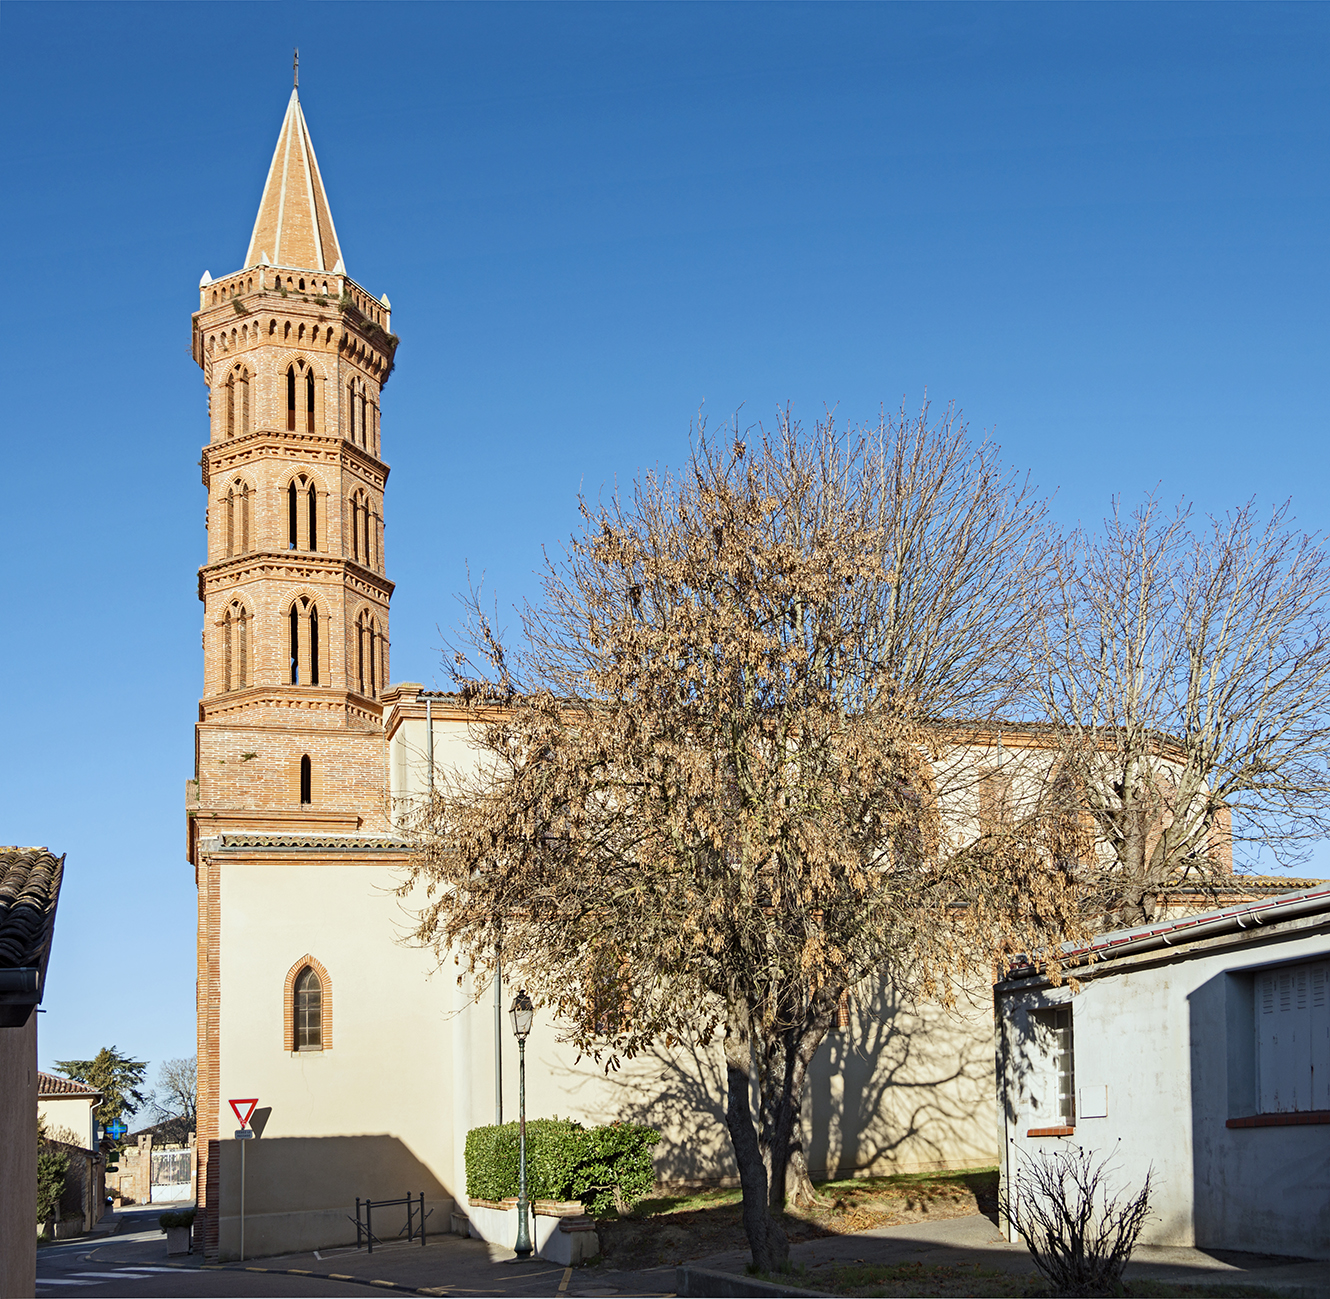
{"x": 295, "y": 592}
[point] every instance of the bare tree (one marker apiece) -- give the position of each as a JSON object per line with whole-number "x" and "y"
{"x": 1079, "y": 1232}
{"x": 704, "y": 803}
{"x": 174, "y": 1099}
{"x": 1187, "y": 671}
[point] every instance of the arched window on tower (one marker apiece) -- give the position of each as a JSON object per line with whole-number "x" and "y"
{"x": 291, "y": 399}
{"x": 236, "y": 506}
{"x": 313, "y": 644}
{"x": 243, "y": 385}
{"x": 312, "y": 500}
{"x": 292, "y": 517}
{"x": 367, "y": 643}
{"x": 295, "y": 645}
{"x": 235, "y": 647}
{"x": 306, "y": 781}
{"x": 309, "y": 402}
{"x": 351, "y": 409}
{"x": 230, "y": 405}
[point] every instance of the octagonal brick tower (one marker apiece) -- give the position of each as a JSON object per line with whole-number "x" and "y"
{"x": 295, "y": 596}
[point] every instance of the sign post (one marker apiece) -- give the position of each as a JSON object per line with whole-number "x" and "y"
{"x": 244, "y": 1133}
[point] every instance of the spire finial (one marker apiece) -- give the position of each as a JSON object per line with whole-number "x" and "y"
{"x": 295, "y": 69}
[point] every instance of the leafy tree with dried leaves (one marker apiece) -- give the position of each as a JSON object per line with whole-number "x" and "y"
{"x": 704, "y": 803}
{"x": 1185, "y": 667}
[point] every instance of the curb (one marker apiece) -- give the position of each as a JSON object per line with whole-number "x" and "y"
{"x": 727, "y": 1285}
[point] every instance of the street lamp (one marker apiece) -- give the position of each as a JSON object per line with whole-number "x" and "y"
{"x": 522, "y": 1012}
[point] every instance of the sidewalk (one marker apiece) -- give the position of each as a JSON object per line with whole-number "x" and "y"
{"x": 975, "y": 1241}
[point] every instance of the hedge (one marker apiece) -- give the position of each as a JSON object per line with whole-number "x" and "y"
{"x": 564, "y": 1161}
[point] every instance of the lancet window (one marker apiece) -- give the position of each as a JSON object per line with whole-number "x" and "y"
{"x": 369, "y": 647}
{"x": 236, "y": 508}
{"x": 235, "y": 647}
{"x": 302, "y": 513}
{"x": 237, "y": 402}
{"x": 304, "y": 643}
{"x": 364, "y": 530}
{"x": 300, "y": 390}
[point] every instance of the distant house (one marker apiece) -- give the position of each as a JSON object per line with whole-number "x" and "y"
{"x": 71, "y": 1105}
{"x": 29, "y": 891}
{"x": 1199, "y": 1048}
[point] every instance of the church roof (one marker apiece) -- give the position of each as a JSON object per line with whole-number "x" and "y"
{"x": 295, "y": 226}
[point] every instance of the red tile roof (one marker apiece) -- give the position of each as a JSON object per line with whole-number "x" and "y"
{"x": 49, "y": 1084}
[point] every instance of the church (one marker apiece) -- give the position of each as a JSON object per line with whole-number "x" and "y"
{"x": 366, "y": 1066}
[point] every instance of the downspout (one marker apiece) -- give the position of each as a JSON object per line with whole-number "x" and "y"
{"x": 498, "y": 1035}
{"x": 429, "y": 744}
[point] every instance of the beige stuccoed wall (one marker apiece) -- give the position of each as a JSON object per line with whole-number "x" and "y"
{"x": 77, "y": 1113}
{"x": 381, "y": 1094}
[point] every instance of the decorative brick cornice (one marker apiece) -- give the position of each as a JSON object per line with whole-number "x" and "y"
{"x": 357, "y": 843}
{"x": 293, "y": 566}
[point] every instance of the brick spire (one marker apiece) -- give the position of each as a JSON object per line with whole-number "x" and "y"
{"x": 295, "y": 226}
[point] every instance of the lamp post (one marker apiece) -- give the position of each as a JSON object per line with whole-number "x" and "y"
{"x": 522, "y": 1012}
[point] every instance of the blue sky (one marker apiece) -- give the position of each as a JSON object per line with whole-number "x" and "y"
{"x": 1101, "y": 230}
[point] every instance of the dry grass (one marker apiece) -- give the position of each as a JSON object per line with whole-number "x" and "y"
{"x": 673, "y": 1229}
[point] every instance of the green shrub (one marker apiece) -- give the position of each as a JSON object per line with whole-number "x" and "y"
{"x": 615, "y": 1168}
{"x": 564, "y": 1161}
{"x": 52, "y": 1165}
{"x": 176, "y": 1218}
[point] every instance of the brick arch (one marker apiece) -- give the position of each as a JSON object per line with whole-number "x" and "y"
{"x": 289, "y": 1002}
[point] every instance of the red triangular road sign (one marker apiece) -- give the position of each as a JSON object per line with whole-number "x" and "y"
{"x": 248, "y": 1106}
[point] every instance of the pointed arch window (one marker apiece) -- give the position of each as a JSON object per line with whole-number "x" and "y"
{"x": 302, "y": 513}
{"x": 292, "y": 516}
{"x": 307, "y": 1007}
{"x": 305, "y": 634}
{"x": 368, "y": 641}
{"x": 309, "y": 401}
{"x": 312, "y": 502}
{"x": 306, "y": 781}
{"x": 237, "y": 517}
{"x": 235, "y": 647}
{"x": 230, "y": 405}
{"x": 291, "y": 399}
{"x": 308, "y": 1011}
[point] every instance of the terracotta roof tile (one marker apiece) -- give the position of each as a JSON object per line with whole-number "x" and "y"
{"x": 29, "y": 889}
{"x": 49, "y": 1084}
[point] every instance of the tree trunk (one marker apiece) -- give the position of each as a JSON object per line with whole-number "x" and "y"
{"x": 766, "y": 1239}
{"x": 782, "y": 1086}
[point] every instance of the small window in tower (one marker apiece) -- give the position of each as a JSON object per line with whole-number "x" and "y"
{"x": 306, "y": 780}
{"x": 302, "y": 286}
{"x": 369, "y": 555}
{"x": 292, "y": 516}
{"x": 231, "y": 522}
{"x": 230, "y": 406}
{"x": 351, "y": 408}
{"x": 291, "y": 398}
{"x": 309, "y": 402}
{"x": 313, "y": 499}
{"x": 244, "y": 517}
{"x": 295, "y": 645}
{"x": 244, "y": 402}
{"x": 308, "y": 1011}
{"x": 314, "y": 645}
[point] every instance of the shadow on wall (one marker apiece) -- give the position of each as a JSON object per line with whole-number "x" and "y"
{"x": 900, "y": 1090}
{"x": 680, "y": 1092}
{"x": 300, "y": 1192}
{"x": 903, "y": 1088}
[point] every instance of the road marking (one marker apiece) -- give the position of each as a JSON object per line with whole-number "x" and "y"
{"x": 337, "y": 1276}
{"x": 53, "y": 1280}
{"x": 129, "y": 1273}
{"x": 567, "y": 1276}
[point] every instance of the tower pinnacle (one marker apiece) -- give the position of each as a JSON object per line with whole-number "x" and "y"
{"x": 294, "y": 226}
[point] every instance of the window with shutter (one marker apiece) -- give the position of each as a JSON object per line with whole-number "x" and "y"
{"x": 1293, "y": 1038}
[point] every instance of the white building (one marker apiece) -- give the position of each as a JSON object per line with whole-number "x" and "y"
{"x": 1198, "y": 1049}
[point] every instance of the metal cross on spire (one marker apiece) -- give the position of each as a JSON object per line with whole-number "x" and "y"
{"x": 295, "y": 68}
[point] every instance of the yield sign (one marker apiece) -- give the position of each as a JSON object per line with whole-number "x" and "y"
{"x": 244, "y": 1109}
